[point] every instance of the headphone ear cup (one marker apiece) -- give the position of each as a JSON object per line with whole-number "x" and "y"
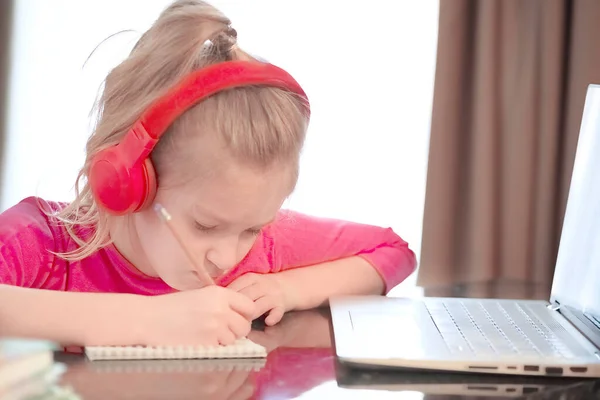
{"x": 117, "y": 188}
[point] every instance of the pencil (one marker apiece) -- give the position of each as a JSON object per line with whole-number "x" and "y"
{"x": 165, "y": 217}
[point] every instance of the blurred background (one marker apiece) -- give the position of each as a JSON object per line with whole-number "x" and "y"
{"x": 452, "y": 121}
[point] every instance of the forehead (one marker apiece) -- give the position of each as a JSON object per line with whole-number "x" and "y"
{"x": 237, "y": 195}
{"x": 206, "y": 178}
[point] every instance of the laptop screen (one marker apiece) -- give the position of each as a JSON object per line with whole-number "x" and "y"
{"x": 577, "y": 275}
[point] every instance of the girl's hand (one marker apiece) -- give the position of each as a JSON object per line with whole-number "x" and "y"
{"x": 270, "y": 293}
{"x": 209, "y": 316}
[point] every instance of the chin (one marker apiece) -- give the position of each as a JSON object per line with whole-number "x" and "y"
{"x": 189, "y": 286}
{"x": 183, "y": 284}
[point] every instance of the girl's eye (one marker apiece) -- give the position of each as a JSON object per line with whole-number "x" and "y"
{"x": 202, "y": 228}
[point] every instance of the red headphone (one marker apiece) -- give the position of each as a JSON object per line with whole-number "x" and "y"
{"x": 122, "y": 178}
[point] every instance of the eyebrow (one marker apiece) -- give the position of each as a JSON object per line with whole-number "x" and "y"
{"x": 222, "y": 221}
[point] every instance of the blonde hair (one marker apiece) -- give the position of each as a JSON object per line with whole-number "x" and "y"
{"x": 260, "y": 125}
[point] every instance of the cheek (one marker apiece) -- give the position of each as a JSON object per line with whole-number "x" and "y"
{"x": 163, "y": 251}
{"x": 244, "y": 247}
{"x": 157, "y": 243}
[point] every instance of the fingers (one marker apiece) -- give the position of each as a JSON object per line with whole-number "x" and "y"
{"x": 263, "y": 304}
{"x": 240, "y": 326}
{"x": 274, "y": 316}
{"x": 264, "y": 301}
{"x": 227, "y": 337}
{"x": 242, "y": 305}
{"x": 253, "y": 292}
{"x": 242, "y": 282}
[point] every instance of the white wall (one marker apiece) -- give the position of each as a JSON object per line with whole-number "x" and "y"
{"x": 368, "y": 68}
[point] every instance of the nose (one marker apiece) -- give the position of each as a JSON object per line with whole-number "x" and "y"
{"x": 223, "y": 254}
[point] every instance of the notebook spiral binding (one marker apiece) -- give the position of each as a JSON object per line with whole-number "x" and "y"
{"x": 242, "y": 348}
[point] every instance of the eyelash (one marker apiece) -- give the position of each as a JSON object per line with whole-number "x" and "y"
{"x": 203, "y": 228}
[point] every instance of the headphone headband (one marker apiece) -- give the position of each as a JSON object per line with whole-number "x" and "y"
{"x": 122, "y": 178}
{"x": 207, "y": 81}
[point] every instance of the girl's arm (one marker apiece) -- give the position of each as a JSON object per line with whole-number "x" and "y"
{"x": 300, "y": 240}
{"x": 206, "y": 316}
{"x": 26, "y": 263}
{"x": 343, "y": 258}
{"x": 312, "y": 287}
{"x": 311, "y": 259}
{"x": 70, "y": 318}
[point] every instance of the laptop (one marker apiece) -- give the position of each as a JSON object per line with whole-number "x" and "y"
{"x": 559, "y": 337}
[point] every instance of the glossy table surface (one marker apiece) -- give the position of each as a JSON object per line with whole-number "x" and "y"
{"x": 300, "y": 365}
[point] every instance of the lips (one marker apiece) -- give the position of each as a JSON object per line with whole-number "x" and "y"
{"x": 213, "y": 275}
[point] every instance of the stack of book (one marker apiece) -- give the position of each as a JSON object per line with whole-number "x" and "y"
{"x": 27, "y": 368}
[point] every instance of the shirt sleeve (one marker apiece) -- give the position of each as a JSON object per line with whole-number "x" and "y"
{"x": 26, "y": 240}
{"x": 300, "y": 240}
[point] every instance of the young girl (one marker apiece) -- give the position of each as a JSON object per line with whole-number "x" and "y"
{"x": 193, "y": 123}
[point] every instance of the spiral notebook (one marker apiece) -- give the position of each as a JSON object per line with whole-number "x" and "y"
{"x": 242, "y": 348}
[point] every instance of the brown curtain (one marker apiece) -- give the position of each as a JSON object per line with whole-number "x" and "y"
{"x": 509, "y": 91}
{"x": 6, "y": 17}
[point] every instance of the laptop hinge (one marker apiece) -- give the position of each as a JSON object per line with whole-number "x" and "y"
{"x": 554, "y": 307}
{"x": 583, "y": 324}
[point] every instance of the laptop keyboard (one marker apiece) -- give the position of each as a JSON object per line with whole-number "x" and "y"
{"x": 502, "y": 329}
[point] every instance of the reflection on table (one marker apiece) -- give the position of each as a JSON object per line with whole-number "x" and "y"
{"x": 300, "y": 364}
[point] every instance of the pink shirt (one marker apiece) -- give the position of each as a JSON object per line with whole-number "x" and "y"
{"x": 28, "y": 238}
